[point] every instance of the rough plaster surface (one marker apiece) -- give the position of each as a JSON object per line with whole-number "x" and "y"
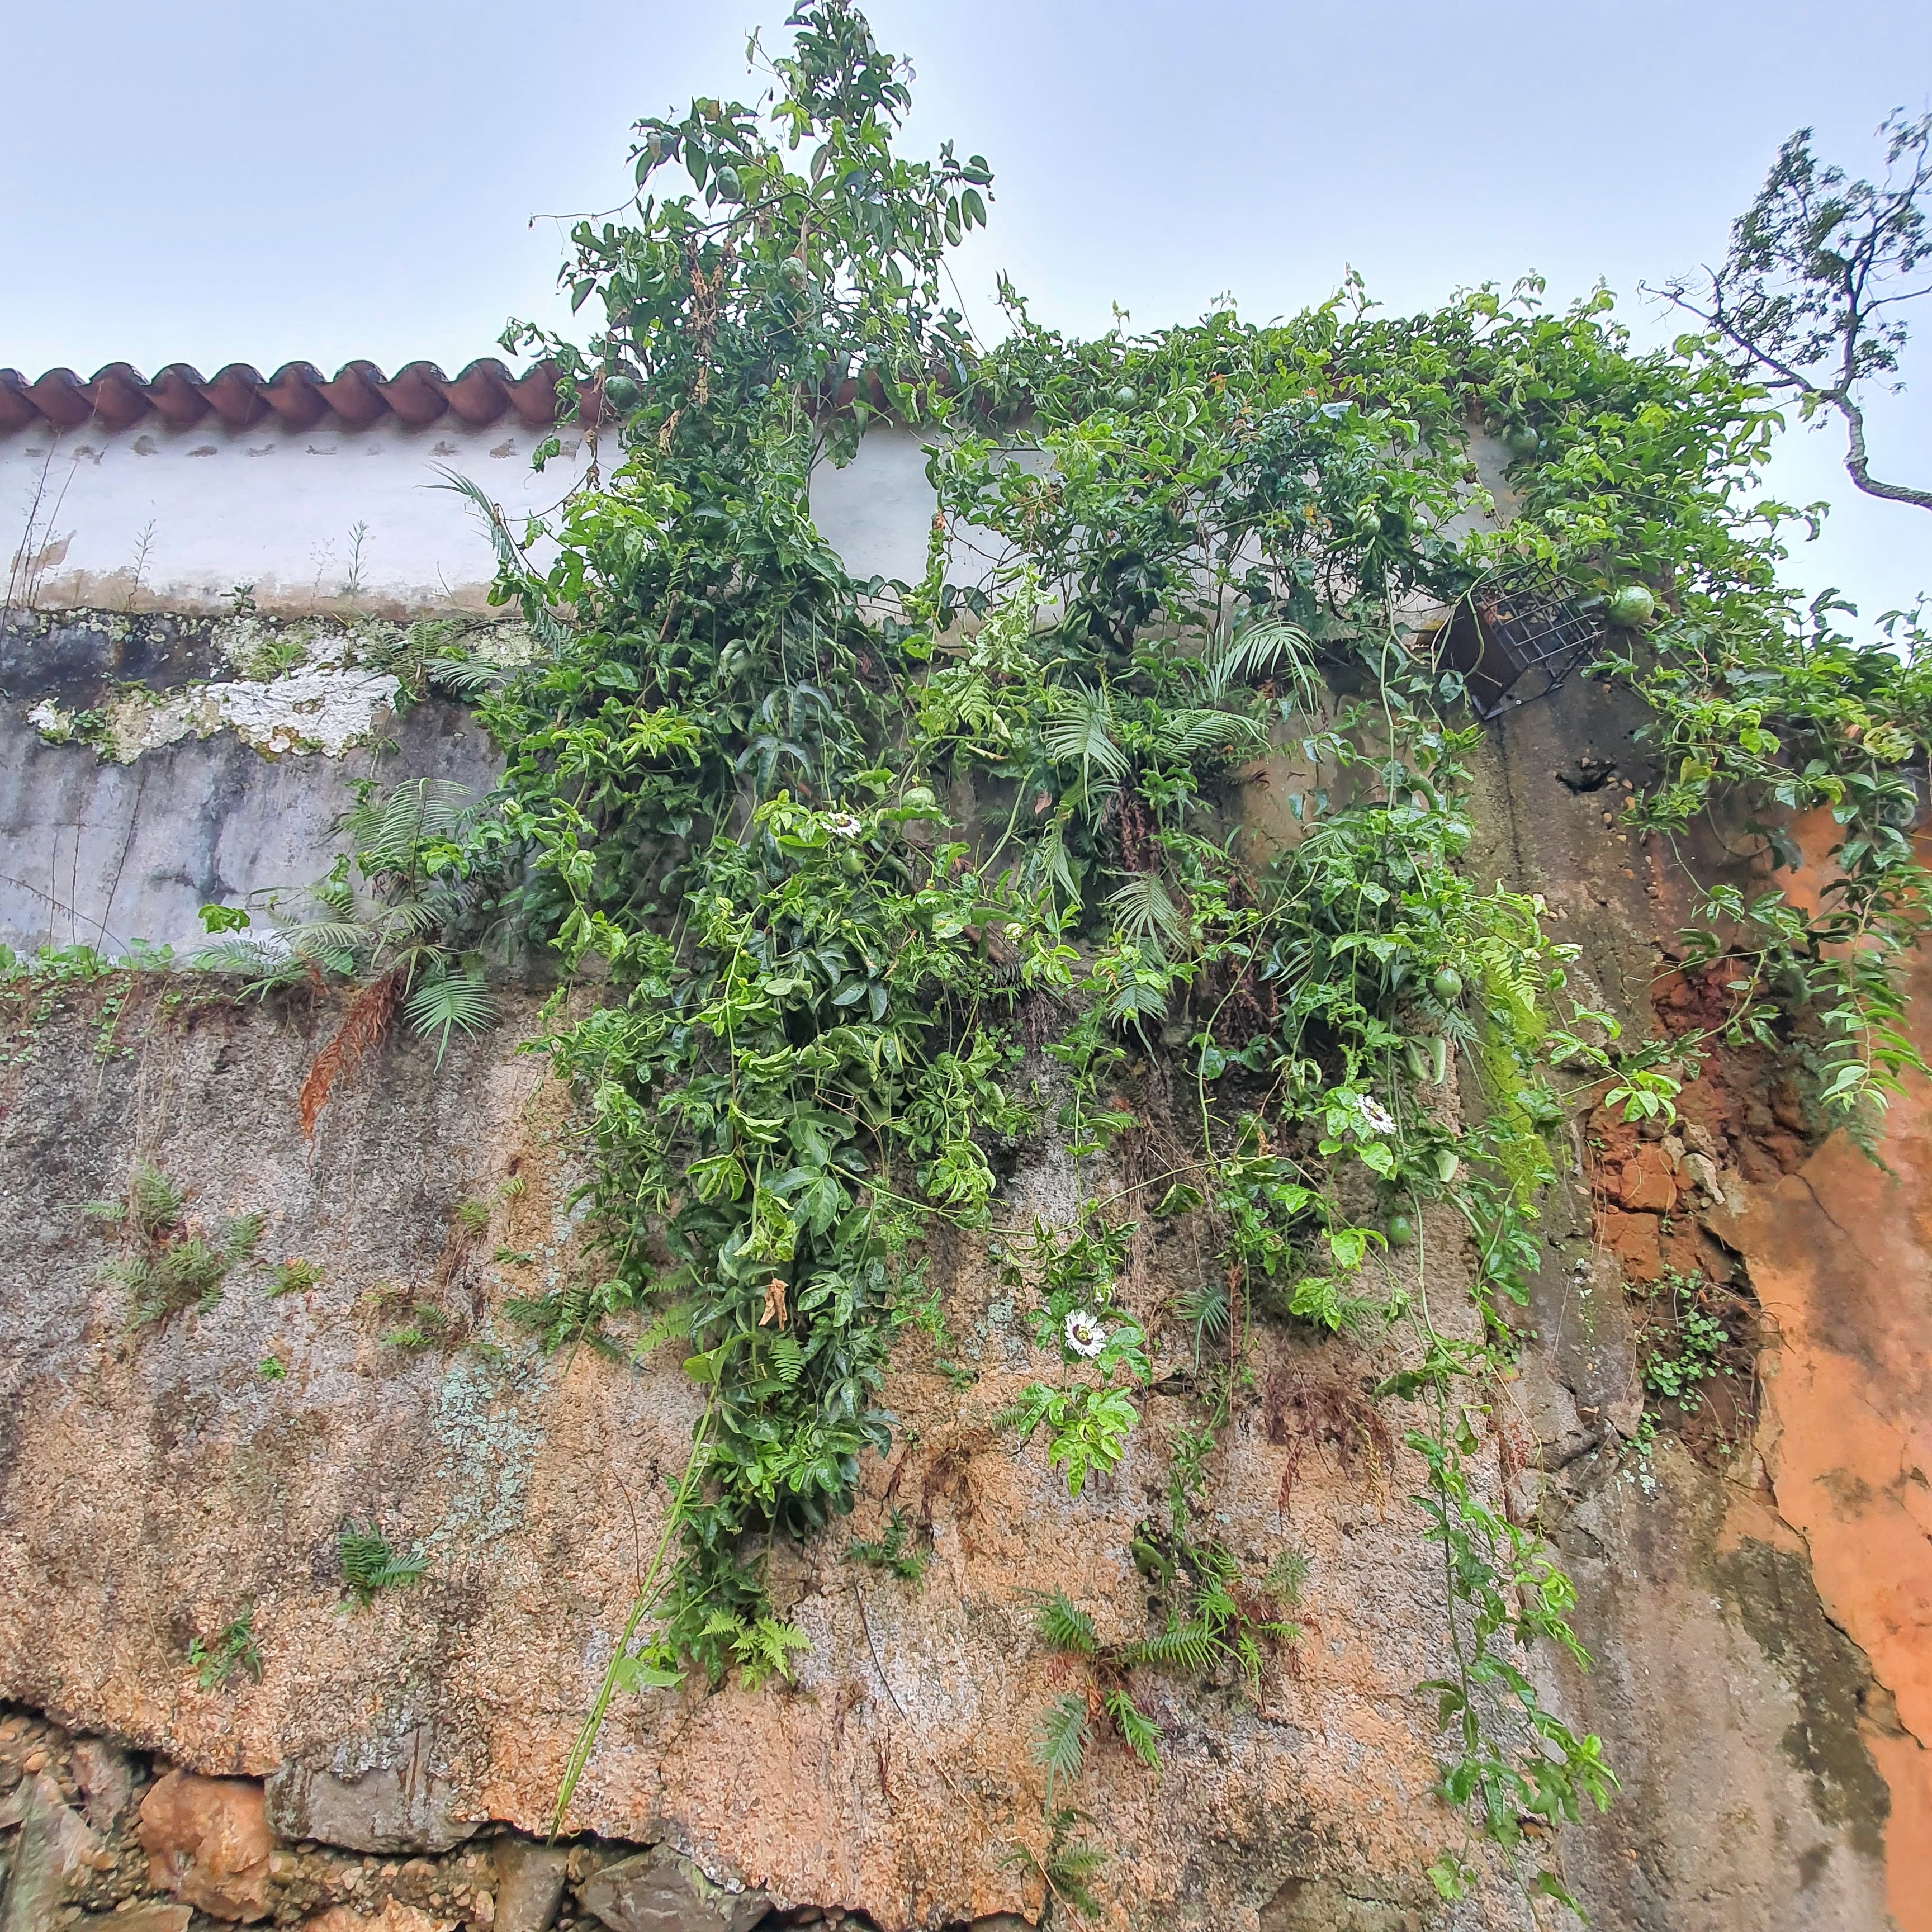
{"x": 1747, "y": 1699}
{"x": 150, "y": 1484}
{"x": 212, "y": 786}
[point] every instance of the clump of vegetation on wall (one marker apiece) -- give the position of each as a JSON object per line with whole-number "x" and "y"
{"x": 840, "y": 854}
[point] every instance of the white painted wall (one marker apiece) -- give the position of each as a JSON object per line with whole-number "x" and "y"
{"x": 152, "y": 519}
{"x": 149, "y": 519}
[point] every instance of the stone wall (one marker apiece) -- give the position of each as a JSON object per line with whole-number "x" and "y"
{"x": 1755, "y": 1580}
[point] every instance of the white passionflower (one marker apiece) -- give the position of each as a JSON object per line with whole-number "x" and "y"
{"x": 844, "y": 823}
{"x": 1376, "y": 1117}
{"x": 1085, "y": 1335}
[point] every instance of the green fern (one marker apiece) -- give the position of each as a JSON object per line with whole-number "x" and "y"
{"x": 1067, "y": 1870}
{"x": 1136, "y": 1730}
{"x": 1194, "y": 1646}
{"x": 1286, "y": 1576}
{"x": 294, "y": 1276}
{"x": 764, "y": 1649}
{"x": 1064, "y": 1627}
{"x": 1081, "y": 733}
{"x": 572, "y": 1314}
{"x": 242, "y": 1236}
{"x": 893, "y": 1551}
{"x": 448, "y": 1000}
{"x": 216, "y": 1659}
{"x": 1203, "y": 1308}
{"x": 1060, "y": 1744}
{"x": 155, "y": 1203}
{"x": 370, "y": 1563}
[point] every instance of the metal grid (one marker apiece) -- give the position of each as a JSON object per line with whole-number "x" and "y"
{"x": 1522, "y": 621}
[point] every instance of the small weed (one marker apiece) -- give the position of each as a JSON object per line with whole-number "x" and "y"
{"x": 272, "y": 1369}
{"x": 513, "y": 1257}
{"x": 426, "y": 1328}
{"x": 473, "y": 1218}
{"x": 1286, "y": 1577}
{"x": 168, "y": 1265}
{"x": 215, "y": 1659}
{"x": 894, "y": 1551}
{"x": 269, "y": 659}
{"x": 370, "y": 1563}
{"x": 294, "y": 1275}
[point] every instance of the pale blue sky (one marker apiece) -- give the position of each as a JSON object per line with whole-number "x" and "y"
{"x": 205, "y": 181}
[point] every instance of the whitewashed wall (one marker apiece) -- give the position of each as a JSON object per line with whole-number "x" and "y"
{"x": 151, "y": 519}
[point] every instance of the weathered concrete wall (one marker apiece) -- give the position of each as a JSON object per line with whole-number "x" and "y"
{"x": 155, "y": 519}
{"x": 1756, "y": 1591}
{"x": 152, "y": 1483}
{"x": 336, "y": 520}
{"x": 1758, "y": 1615}
{"x": 200, "y": 784}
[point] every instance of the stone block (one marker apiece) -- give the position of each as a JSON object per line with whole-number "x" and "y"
{"x": 529, "y": 1884}
{"x": 390, "y": 1796}
{"x": 207, "y": 1841}
{"x": 661, "y": 1891}
{"x": 54, "y": 1844}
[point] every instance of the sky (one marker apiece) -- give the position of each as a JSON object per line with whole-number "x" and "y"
{"x": 206, "y": 181}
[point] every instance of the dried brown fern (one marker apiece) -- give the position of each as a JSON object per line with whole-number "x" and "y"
{"x": 370, "y": 1014}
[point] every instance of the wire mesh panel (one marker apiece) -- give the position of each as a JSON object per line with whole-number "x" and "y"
{"x": 1521, "y": 621}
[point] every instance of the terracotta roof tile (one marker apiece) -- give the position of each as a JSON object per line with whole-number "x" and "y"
{"x": 298, "y": 396}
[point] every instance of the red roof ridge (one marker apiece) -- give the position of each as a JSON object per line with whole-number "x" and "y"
{"x": 298, "y": 395}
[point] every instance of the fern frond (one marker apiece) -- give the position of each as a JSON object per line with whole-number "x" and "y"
{"x": 1137, "y": 1731}
{"x": 1186, "y": 732}
{"x": 1234, "y": 660}
{"x": 1061, "y": 1742}
{"x": 1286, "y": 1576}
{"x": 1192, "y": 1646}
{"x": 242, "y": 1236}
{"x": 1204, "y": 1309}
{"x": 1064, "y": 1627}
{"x": 764, "y": 1649}
{"x": 1081, "y": 732}
{"x": 1143, "y": 910}
{"x": 155, "y": 1202}
{"x": 266, "y": 959}
{"x": 370, "y": 1563}
{"x": 465, "y": 677}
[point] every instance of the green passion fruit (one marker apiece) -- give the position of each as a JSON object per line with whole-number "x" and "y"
{"x": 1521, "y": 441}
{"x": 1630, "y": 607}
{"x": 1446, "y": 984}
{"x": 1400, "y": 1231}
{"x": 621, "y": 393}
{"x": 1125, "y": 396}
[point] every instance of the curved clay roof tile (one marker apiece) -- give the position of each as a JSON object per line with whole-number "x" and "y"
{"x": 236, "y": 394}
{"x": 479, "y": 396}
{"x": 298, "y": 395}
{"x": 60, "y": 398}
{"x": 354, "y": 396}
{"x": 119, "y": 394}
{"x": 294, "y": 392}
{"x": 16, "y": 408}
{"x": 534, "y": 397}
{"x": 177, "y": 394}
{"x": 415, "y": 393}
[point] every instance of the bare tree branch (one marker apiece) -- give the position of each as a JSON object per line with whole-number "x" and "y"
{"x": 1813, "y": 261}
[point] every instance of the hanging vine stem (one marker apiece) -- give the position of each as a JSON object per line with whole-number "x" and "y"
{"x": 648, "y": 1592}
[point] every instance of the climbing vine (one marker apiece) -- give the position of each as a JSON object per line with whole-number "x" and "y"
{"x": 830, "y": 862}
